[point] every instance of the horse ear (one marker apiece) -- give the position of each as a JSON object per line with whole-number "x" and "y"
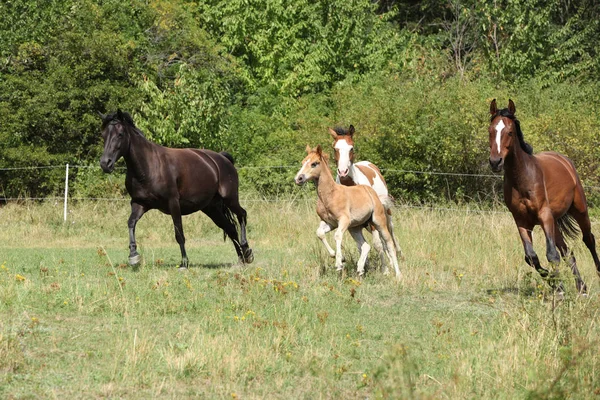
{"x": 102, "y": 116}
{"x": 319, "y": 150}
{"x": 120, "y": 115}
{"x": 333, "y": 133}
{"x": 511, "y": 107}
{"x": 308, "y": 149}
{"x": 351, "y": 130}
{"x": 493, "y": 107}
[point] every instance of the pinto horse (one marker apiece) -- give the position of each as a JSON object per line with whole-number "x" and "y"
{"x": 175, "y": 181}
{"x": 349, "y": 208}
{"x": 542, "y": 189}
{"x": 350, "y": 173}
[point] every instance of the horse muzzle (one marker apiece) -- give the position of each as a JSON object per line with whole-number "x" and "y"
{"x": 343, "y": 174}
{"x": 496, "y": 164}
{"x": 300, "y": 180}
{"x": 107, "y": 166}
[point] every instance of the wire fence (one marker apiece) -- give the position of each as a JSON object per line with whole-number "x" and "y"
{"x": 66, "y": 198}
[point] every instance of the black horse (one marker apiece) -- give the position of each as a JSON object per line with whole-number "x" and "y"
{"x": 175, "y": 181}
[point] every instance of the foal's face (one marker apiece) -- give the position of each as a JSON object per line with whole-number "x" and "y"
{"x": 343, "y": 146}
{"x": 502, "y": 133}
{"x": 116, "y": 141}
{"x": 311, "y": 166}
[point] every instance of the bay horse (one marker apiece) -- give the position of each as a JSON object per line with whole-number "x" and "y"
{"x": 175, "y": 181}
{"x": 350, "y": 173}
{"x": 347, "y": 208}
{"x": 542, "y": 189}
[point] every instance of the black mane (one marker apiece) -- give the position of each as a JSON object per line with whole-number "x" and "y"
{"x": 506, "y": 113}
{"x": 341, "y": 131}
{"x": 123, "y": 117}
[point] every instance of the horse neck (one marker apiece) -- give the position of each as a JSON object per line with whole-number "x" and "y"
{"x": 325, "y": 184}
{"x": 138, "y": 156}
{"x": 516, "y": 168}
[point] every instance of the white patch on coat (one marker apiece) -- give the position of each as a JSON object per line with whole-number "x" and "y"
{"x": 360, "y": 178}
{"x": 301, "y": 170}
{"x": 499, "y": 128}
{"x": 343, "y": 148}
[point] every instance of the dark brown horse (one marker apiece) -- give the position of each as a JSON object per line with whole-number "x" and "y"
{"x": 175, "y": 181}
{"x": 542, "y": 189}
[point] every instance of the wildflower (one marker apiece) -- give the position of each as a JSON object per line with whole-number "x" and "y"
{"x": 20, "y": 278}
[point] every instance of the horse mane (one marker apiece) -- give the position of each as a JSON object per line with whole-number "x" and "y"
{"x": 506, "y": 113}
{"x": 125, "y": 118}
{"x": 341, "y": 131}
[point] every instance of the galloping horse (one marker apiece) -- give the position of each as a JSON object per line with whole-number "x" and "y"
{"x": 542, "y": 189}
{"x": 349, "y": 208}
{"x": 350, "y": 173}
{"x": 175, "y": 181}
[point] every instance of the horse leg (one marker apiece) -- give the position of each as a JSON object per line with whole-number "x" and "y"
{"x": 175, "y": 211}
{"x": 548, "y": 226}
{"x": 569, "y": 257}
{"x": 323, "y": 228}
{"x": 215, "y": 213}
{"x": 363, "y": 248}
{"x": 137, "y": 210}
{"x": 234, "y": 205}
{"x": 379, "y": 247}
{"x": 583, "y": 220}
{"x": 390, "y": 224}
{"x": 531, "y": 257}
{"x": 380, "y": 222}
{"x": 343, "y": 225}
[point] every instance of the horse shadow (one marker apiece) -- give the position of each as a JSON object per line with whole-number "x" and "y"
{"x": 168, "y": 266}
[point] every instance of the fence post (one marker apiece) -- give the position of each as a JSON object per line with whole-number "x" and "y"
{"x": 66, "y": 191}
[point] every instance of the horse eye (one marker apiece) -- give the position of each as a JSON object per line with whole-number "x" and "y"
{"x": 313, "y": 165}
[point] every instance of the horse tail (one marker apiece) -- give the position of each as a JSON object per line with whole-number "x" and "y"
{"x": 388, "y": 203}
{"x": 568, "y": 226}
{"x": 228, "y": 156}
{"x": 230, "y": 217}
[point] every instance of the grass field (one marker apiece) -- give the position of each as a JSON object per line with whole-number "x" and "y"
{"x": 469, "y": 320}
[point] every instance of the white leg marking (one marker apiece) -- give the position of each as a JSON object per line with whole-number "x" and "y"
{"x": 363, "y": 247}
{"x": 323, "y": 228}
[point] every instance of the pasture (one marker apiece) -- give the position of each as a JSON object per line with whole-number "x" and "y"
{"x": 469, "y": 320}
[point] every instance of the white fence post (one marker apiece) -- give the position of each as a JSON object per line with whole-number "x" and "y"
{"x": 66, "y": 191}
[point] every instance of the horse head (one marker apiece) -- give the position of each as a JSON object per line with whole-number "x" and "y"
{"x": 312, "y": 165}
{"x": 115, "y": 132}
{"x": 343, "y": 145}
{"x": 504, "y": 129}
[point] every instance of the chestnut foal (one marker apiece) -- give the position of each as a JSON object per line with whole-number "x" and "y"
{"x": 349, "y": 208}
{"x": 350, "y": 173}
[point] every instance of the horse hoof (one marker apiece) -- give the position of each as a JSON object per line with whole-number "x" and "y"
{"x": 248, "y": 256}
{"x": 182, "y": 269}
{"x": 135, "y": 259}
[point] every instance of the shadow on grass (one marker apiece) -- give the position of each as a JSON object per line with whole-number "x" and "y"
{"x": 174, "y": 266}
{"x": 516, "y": 290}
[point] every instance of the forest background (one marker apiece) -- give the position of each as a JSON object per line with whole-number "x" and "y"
{"x": 261, "y": 79}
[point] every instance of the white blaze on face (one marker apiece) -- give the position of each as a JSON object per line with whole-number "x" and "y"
{"x": 301, "y": 170}
{"x": 343, "y": 149}
{"x": 499, "y": 128}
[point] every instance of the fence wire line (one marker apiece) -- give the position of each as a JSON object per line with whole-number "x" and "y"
{"x": 405, "y": 206}
{"x": 269, "y": 167}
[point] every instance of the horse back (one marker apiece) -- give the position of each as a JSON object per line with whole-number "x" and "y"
{"x": 369, "y": 174}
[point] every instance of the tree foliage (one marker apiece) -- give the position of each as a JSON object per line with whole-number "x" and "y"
{"x": 263, "y": 78}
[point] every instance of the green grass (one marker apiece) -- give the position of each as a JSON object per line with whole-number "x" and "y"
{"x": 469, "y": 320}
